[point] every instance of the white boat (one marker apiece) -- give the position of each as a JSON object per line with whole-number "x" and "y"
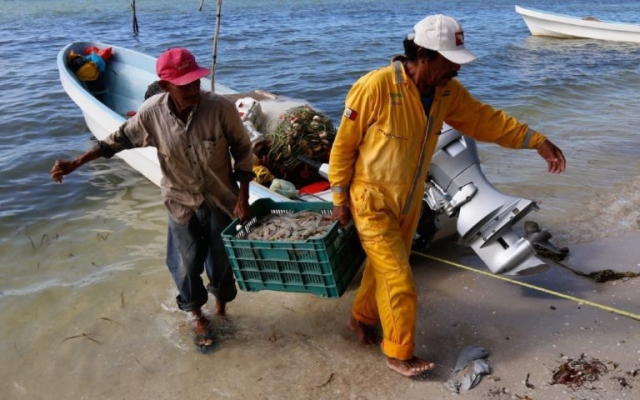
{"x": 542, "y": 23}
{"x": 125, "y": 81}
{"x": 458, "y": 191}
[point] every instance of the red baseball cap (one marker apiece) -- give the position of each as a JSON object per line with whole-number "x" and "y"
{"x": 178, "y": 66}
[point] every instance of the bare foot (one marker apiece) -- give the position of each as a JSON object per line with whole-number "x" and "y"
{"x": 411, "y": 367}
{"x": 366, "y": 333}
{"x": 203, "y": 336}
{"x": 221, "y": 308}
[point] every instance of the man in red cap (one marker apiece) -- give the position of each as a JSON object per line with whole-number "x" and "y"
{"x": 196, "y": 133}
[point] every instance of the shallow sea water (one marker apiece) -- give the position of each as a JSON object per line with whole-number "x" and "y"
{"x": 93, "y": 247}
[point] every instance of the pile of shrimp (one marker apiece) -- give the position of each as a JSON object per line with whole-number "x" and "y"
{"x": 297, "y": 227}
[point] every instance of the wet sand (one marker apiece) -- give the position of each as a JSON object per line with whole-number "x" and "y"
{"x": 277, "y": 345}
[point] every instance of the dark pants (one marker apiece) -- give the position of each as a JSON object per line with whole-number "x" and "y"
{"x": 195, "y": 246}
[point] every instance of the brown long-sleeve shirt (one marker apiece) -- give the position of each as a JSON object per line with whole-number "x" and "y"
{"x": 196, "y": 157}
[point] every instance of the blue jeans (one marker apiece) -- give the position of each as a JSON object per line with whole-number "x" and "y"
{"x": 195, "y": 246}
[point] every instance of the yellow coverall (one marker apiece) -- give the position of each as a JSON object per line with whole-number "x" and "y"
{"x": 378, "y": 166}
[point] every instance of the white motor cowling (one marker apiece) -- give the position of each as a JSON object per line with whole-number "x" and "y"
{"x": 484, "y": 216}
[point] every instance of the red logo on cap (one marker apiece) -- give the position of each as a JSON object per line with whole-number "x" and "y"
{"x": 459, "y": 38}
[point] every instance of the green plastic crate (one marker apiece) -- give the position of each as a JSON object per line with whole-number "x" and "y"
{"x": 322, "y": 266}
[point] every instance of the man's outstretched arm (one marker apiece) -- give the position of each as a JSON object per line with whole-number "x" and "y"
{"x": 65, "y": 167}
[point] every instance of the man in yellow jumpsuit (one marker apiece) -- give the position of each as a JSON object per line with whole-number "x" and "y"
{"x": 379, "y": 163}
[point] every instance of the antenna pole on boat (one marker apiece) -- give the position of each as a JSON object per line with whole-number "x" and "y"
{"x": 215, "y": 48}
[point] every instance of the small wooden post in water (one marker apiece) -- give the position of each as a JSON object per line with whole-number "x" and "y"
{"x": 135, "y": 19}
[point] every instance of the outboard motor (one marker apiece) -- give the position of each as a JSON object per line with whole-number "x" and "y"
{"x": 457, "y": 193}
{"x": 485, "y": 216}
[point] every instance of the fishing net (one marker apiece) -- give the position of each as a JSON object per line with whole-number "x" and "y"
{"x": 300, "y": 131}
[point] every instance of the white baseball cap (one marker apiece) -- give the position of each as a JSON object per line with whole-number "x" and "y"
{"x": 444, "y": 35}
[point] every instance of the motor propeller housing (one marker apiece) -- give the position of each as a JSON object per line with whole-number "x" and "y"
{"x": 485, "y": 216}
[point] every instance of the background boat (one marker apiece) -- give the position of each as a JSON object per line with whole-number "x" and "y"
{"x": 542, "y": 23}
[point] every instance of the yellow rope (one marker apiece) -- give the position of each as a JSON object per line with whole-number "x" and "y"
{"x": 551, "y": 292}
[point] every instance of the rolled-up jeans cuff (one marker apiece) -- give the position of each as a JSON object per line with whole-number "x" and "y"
{"x": 225, "y": 294}
{"x": 192, "y": 306}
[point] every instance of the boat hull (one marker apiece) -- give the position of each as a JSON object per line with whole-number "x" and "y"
{"x": 105, "y": 111}
{"x": 561, "y": 26}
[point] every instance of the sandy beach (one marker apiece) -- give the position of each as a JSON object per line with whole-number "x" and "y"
{"x": 277, "y": 345}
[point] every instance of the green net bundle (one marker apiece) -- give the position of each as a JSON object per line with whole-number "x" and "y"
{"x": 299, "y": 131}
